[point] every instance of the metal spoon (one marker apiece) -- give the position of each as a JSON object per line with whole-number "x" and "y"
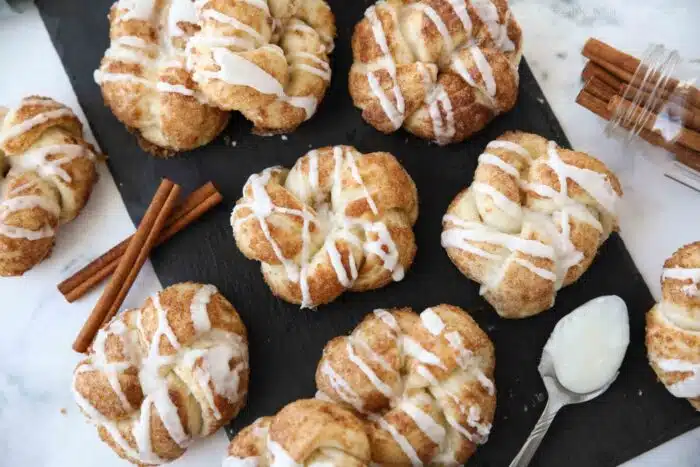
{"x": 558, "y": 396}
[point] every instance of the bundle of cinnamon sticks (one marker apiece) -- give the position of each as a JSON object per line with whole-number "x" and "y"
{"x": 612, "y": 85}
{"x": 163, "y": 219}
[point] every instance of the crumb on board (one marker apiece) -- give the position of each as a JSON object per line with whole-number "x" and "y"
{"x": 640, "y": 392}
{"x": 525, "y": 408}
{"x": 63, "y": 411}
{"x": 540, "y": 100}
{"x": 284, "y": 137}
{"x": 234, "y": 143}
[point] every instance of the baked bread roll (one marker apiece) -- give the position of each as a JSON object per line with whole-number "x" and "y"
{"x": 305, "y": 432}
{"x": 144, "y": 80}
{"x": 673, "y": 326}
{"x": 531, "y": 222}
{"x": 50, "y": 178}
{"x": 422, "y": 383}
{"x": 268, "y": 60}
{"x": 338, "y": 220}
{"x": 442, "y": 69}
{"x": 161, "y": 376}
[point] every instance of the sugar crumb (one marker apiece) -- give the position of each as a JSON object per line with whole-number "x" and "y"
{"x": 63, "y": 411}
{"x": 284, "y": 137}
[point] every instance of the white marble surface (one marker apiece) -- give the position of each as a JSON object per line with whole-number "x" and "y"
{"x": 38, "y": 327}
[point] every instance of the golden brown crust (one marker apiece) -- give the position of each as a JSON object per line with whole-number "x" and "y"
{"x": 52, "y": 171}
{"x": 673, "y": 326}
{"x": 423, "y": 383}
{"x": 146, "y": 85}
{"x": 338, "y": 220}
{"x": 522, "y": 235}
{"x": 308, "y": 431}
{"x": 271, "y": 63}
{"x": 435, "y": 67}
{"x": 165, "y": 374}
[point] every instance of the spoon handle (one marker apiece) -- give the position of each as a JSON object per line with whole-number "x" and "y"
{"x": 533, "y": 441}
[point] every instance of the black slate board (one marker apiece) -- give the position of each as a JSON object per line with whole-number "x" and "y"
{"x": 635, "y": 415}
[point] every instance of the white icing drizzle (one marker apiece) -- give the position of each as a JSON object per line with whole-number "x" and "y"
{"x": 400, "y": 439}
{"x": 484, "y": 69}
{"x": 434, "y": 17}
{"x": 341, "y": 387}
{"x": 460, "y": 9}
{"x": 198, "y": 308}
{"x": 136, "y": 9}
{"x": 280, "y": 457}
{"x": 239, "y": 71}
{"x": 432, "y": 322}
{"x": 443, "y": 127}
{"x": 369, "y": 373}
{"x": 488, "y": 13}
{"x": 393, "y": 110}
{"x": 350, "y": 159}
{"x": 20, "y": 203}
{"x": 690, "y": 385}
{"x": 505, "y": 204}
{"x": 215, "y": 15}
{"x": 112, "y": 370}
{"x": 685, "y": 274}
{"x": 184, "y": 11}
{"x": 18, "y": 129}
{"x": 596, "y": 184}
{"x": 388, "y": 319}
{"x": 425, "y": 423}
{"x": 509, "y": 146}
{"x": 492, "y": 159}
{"x": 95, "y": 417}
{"x": 413, "y": 349}
{"x": 37, "y": 160}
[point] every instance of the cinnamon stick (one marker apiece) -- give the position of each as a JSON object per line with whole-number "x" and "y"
{"x": 623, "y": 67}
{"x": 685, "y": 136}
{"x": 673, "y": 104}
{"x": 600, "y": 108}
{"x": 80, "y": 283}
{"x": 130, "y": 264}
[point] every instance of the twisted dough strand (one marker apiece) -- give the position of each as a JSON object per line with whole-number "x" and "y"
{"x": 531, "y": 222}
{"x": 337, "y": 220}
{"x": 305, "y": 432}
{"x": 144, "y": 79}
{"x": 268, "y": 61}
{"x": 50, "y": 178}
{"x": 163, "y": 375}
{"x": 673, "y": 326}
{"x": 440, "y": 68}
{"x": 424, "y": 383}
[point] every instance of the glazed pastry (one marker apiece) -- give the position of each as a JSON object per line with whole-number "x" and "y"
{"x": 304, "y": 433}
{"x": 422, "y": 383}
{"x": 442, "y": 69}
{"x": 161, "y": 376}
{"x": 673, "y": 326}
{"x": 531, "y": 222}
{"x": 144, "y": 80}
{"x": 268, "y": 60}
{"x": 51, "y": 174}
{"x": 338, "y": 220}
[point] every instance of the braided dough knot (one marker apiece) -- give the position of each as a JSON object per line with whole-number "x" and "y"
{"x": 442, "y": 69}
{"x": 338, "y": 220}
{"x": 266, "y": 59}
{"x": 673, "y": 326}
{"x": 423, "y": 383}
{"x": 144, "y": 80}
{"x": 160, "y": 376}
{"x": 531, "y": 222}
{"x": 50, "y": 178}
{"x": 305, "y": 432}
